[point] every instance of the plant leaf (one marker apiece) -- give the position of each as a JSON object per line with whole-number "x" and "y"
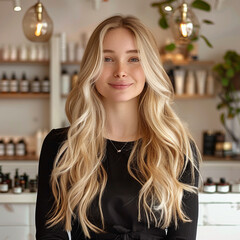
{"x": 222, "y": 118}
{"x": 221, "y": 105}
{"x": 163, "y": 22}
{"x": 225, "y": 81}
{"x": 230, "y": 73}
{"x": 202, "y": 5}
{"x": 170, "y": 47}
{"x": 206, "y": 41}
{"x": 190, "y": 47}
{"x": 208, "y": 21}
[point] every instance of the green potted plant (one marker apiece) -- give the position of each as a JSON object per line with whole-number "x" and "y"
{"x": 228, "y": 73}
{"x": 165, "y": 19}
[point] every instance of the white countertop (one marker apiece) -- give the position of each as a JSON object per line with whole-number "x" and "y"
{"x": 219, "y": 197}
{"x": 18, "y": 198}
{"x": 203, "y": 198}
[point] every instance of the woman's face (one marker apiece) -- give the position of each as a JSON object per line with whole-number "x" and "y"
{"x": 122, "y": 78}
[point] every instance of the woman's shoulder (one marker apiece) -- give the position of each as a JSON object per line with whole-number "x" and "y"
{"x": 57, "y": 135}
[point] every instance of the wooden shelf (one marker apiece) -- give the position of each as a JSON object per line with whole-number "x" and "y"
{"x": 24, "y": 62}
{"x": 24, "y": 95}
{"x": 195, "y": 96}
{"x": 19, "y": 158}
{"x": 197, "y": 63}
{"x": 214, "y": 158}
{"x": 71, "y": 63}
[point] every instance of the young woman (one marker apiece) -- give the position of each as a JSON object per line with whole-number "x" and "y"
{"x": 126, "y": 168}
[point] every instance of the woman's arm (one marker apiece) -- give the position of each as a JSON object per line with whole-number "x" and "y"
{"x": 188, "y": 230}
{"x": 45, "y": 198}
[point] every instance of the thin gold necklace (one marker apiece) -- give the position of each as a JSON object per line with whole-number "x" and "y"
{"x": 118, "y": 150}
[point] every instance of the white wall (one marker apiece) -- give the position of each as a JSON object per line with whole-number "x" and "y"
{"x": 78, "y": 16}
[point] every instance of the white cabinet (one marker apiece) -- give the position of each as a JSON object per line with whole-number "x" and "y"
{"x": 17, "y": 221}
{"x": 219, "y": 217}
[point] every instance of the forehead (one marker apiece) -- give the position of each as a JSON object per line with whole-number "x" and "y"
{"x": 119, "y": 38}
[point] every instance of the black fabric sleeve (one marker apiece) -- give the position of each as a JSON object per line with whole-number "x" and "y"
{"x": 188, "y": 230}
{"x": 45, "y": 198}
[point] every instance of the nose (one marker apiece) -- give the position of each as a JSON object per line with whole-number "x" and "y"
{"x": 120, "y": 71}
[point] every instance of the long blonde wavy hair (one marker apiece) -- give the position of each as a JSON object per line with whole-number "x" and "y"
{"x": 161, "y": 155}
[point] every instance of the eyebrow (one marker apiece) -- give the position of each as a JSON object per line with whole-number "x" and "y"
{"x": 129, "y": 51}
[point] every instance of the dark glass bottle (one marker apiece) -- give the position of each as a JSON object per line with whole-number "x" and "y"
{"x": 26, "y": 179}
{"x": 16, "y": 179}
{"x": 1, "y": 174}
{"x": 13, "y": 86}
{"x": 9, "y": 181}
{"x": 24, "y": 84}
{"x": 4, "y": 84}
{"x": 4, "y": 185}
{"x": 22, "y": 183}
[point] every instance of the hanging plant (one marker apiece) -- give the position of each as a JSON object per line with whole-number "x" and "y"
{"x": 165, "y": 20}
{"x": 228, "y": 73}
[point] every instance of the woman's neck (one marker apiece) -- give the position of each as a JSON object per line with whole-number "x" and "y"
{"x": 122, "y": 121}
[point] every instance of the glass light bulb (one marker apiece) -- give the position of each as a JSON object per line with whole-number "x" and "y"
{"x": 37, "y": 25}
{"x": 184, "y": 24}
{"x": 186, "y": 29}
{"x": 38, "y": 30}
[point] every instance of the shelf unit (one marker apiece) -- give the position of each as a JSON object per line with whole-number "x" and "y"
{"x": 195, "y": 96}
{"x": 24, "y": 95}
{"x": 190, "y": 65}
{"x": 24, "y": 113}
{"x": 2, "y": 62}
{"x": 19, "y": 158}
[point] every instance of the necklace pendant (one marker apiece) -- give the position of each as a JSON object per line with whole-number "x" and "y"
{"x": 119, "y": 151}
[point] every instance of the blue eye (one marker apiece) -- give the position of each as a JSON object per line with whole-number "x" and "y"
{"x": 134, "y": 59}
{"x": 108, "y": 59}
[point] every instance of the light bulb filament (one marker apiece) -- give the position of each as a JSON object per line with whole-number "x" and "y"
{"x": 186, "y": 29}
{"x": 38, "y": 31}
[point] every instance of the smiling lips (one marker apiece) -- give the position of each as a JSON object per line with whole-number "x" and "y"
{"x": 120, "y": 85}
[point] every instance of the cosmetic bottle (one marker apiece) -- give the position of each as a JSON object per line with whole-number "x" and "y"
{"x": 24, "y": 84}
{"x": 2, "y": 148}
{"x": 22, "y": 183}
{"x": 10, "y": 148}
{"x": 4, "y": 185}
{"x": 65, "y": 82}
{"x": 13, "y": 84}
{"x": 26, "y": 179}
{"x": 179, "y": 76}
{"x": 209, "y": 186}
{"x": 4, "y": 87}
{"x": 190, "y": 83}
{"x": 16, "y": 178}
{"x": 33, "y": 185}
{"x": 9, "y": 181}
{"x": 235, "y": 187}
{"x": 35, "y": 85}
{"x": 223, "y": 186}
{"x": 21, "y": 148}
{"x": 45, "y": 86}
{"x": 208, "y": 143}
{"x": 1, "y": 174}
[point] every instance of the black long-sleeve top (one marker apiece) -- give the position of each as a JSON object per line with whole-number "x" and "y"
{"x": 119, "y": 201}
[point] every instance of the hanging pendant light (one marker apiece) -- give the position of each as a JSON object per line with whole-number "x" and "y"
{"x": 16, "y": 5}
{"x": 37, "y": 25}
{"x": 184, "y": 24}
